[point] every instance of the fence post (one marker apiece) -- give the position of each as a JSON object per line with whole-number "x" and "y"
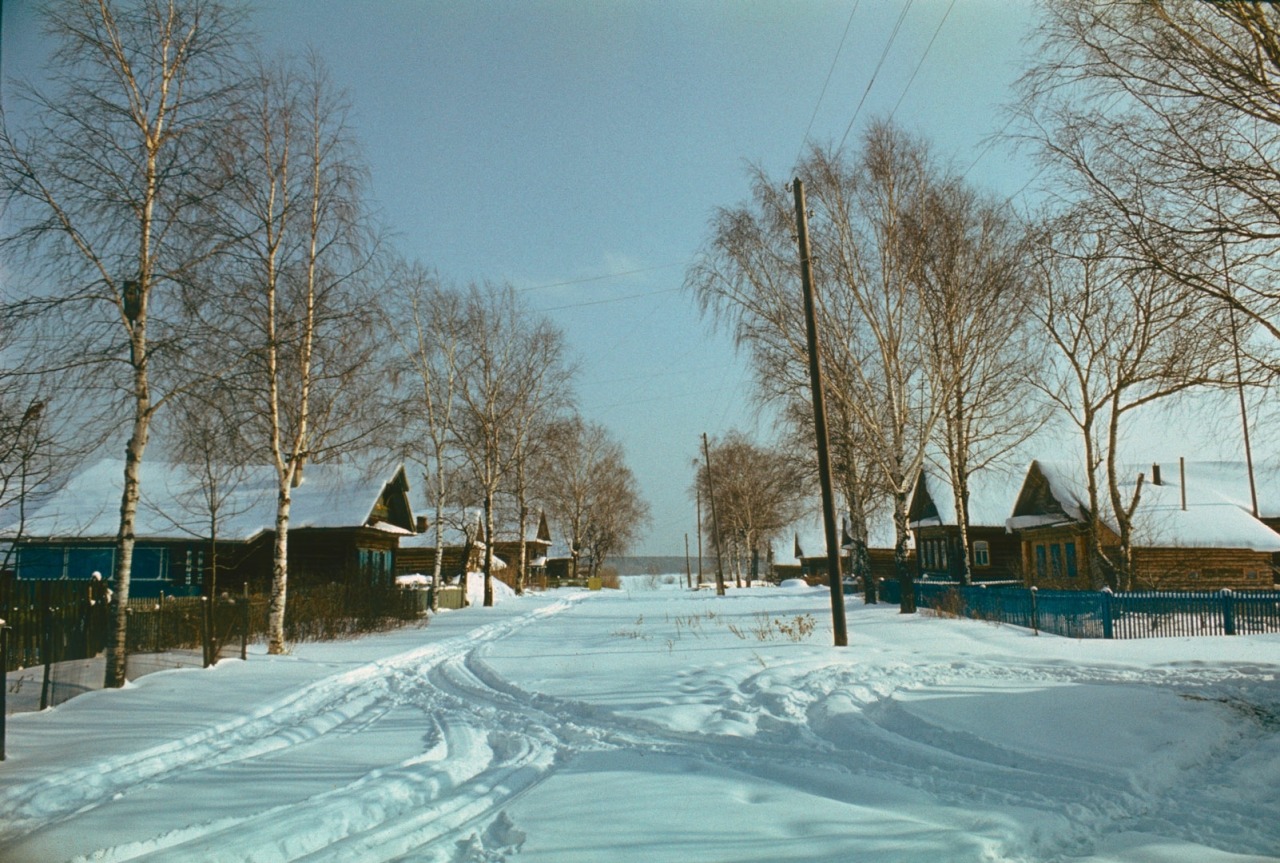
{"x": 1107, "y": 628}
{"x": 1035, "y": 610}
{"x": 244, "y": 627}
{"x": 204, "y": 631}
{"x": 46, "y": 642}
{"x": 4, "y": 668}
{"x": 1228, "y": 611}
{"x": 159, "y": 621}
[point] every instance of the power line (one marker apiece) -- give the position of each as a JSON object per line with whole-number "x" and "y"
{"x": 927, "y": 48}
{"x": 883, "y": 54}
{"x": 603, "y": 278}
{"x": 834, "y": 60}
{"x": 611, "y": 300}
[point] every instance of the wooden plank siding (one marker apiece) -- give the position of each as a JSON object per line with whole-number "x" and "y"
{"x": 1194, "y": 569}
{"x": 1004, "y": 553}
{"x": 1202, "y": 569}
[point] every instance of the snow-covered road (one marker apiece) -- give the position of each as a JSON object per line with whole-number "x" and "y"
{"x": 659, "y": 725}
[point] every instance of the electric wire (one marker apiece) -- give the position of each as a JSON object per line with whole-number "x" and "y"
{"x": 875, "y": 74}
{"x": 834, "y": 61}
{"x": 923, "y": 56}
{"x": 602, "y": 278}
{"x": 611, "y": 300}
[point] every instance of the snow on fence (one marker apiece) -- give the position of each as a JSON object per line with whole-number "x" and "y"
{"x": 1103, "y": 614}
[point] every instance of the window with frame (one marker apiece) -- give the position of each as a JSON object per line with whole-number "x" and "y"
{"x": 1055, "y": 559}
{"x": 1042, "y": 560}
{"x": 84, "y": 562}
{"x": 194, "y": 571}
{"x": 981, "y": 553}
{"x": 1072, "y": 570}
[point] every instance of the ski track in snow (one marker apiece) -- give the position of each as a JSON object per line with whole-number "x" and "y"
{"x": 465, "y": 771}
{"x": 488, "y": 742}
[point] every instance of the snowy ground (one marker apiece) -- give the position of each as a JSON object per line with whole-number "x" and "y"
{"x": 659, "y": 725}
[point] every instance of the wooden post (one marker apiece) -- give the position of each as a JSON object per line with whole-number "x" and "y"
{"x": 204, "y": 631}
{"x": 715, "y": 523}
{"x": 244, "y": 625}
{"x": 160, "y": 613}
{"x": 688, "y": 571}
{"x": 834, "y": 579}
{"x": 699, "y": 537}
{"x": 46, "y": 641}
{"x": 4, "y": 670}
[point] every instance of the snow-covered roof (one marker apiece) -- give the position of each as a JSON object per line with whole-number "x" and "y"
{"x": 172, "y": 506}
{"x": 813, "y": 537}
{"x": 1230, "y": 480}
{"x": 1211, "y": 518}
{"x": 991, "y": 497}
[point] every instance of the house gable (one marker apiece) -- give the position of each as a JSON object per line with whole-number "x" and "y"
{"x": 922, "y": 508}
{"x": 1037, "y": 501}
{"x": 392, "y": 506}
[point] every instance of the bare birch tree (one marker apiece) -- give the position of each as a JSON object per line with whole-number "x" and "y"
{"x": 109, "y": 185}
{"x": 1162, "y": 115}
{"x": 430, "y": 346}
{"x": 746, "y": 278}
{"x": 568, "y": 462}
{"x": 760, "y": 493}
{"x": 981, "y": 343}
{"x": 866, "y": 210}
{"x": 301, "y": 315}
{"x": 1122, "y": 339}
{"x": 615, "y": 511}
{"x": 513, "y": 371}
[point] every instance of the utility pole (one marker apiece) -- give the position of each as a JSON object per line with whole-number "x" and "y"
{"x": 1244, "y": 411}
{"x": 820, "y": 424}
{"x": 699, "y": 537}
{"x": 715, "y": 523}
{"x": 688, "y": 573}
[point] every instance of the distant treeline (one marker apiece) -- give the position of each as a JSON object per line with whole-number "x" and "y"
{"x": 658, "y": 564}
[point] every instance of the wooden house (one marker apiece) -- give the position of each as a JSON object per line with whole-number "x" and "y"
{"x": 1185, "y": 536}
{"x": 344, "y": 526}
{"x": 418, "y": 555}
{"x": 535, "y": 550}
{"x": 995, "y": 554}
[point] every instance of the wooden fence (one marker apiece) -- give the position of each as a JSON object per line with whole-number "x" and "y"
{"x": 53, "y": 627}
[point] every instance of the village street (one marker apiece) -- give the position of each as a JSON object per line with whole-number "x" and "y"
{"x": 661, "y": 725}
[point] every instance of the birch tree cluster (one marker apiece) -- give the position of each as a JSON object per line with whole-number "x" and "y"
{"x": 921, "y": 286}
{"x": 954, "y": 328}
{"x": 188, "y": 256}
{"x": 759, "y": 492}
{"x": 1156, "y": 127}
{"x": 485, "y": 392}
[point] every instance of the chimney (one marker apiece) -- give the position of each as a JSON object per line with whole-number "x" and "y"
{"x": 422, "y": 524}
{"x": 1155, "y": 474}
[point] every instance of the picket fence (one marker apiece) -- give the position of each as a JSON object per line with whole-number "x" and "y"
{"x": 1103, "y": 614}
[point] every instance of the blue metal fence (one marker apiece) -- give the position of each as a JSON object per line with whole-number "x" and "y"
{"x": 1103, "y": 614}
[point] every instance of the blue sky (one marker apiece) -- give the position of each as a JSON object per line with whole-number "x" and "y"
{"x": 579, "y": 150}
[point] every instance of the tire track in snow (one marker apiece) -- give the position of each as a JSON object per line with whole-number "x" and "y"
{"x": 857, "y": 726}
{"x": 349, "y": 700}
